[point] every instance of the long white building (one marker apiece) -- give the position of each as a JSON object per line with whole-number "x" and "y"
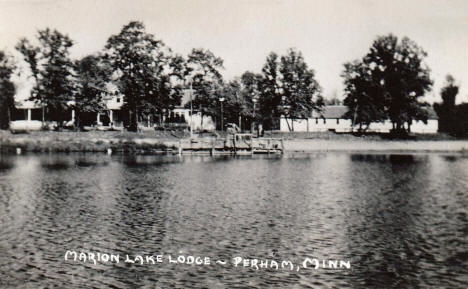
{"x": 331, "y": 118}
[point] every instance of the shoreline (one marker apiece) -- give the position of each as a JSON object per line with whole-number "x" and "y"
{"x": 167, "y": 143}
{"x": 311, "y": 145}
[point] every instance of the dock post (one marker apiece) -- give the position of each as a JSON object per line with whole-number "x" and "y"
{"x": 234, "y": 144}
{"x": 282, "y": 146}
{"x": 180, "y": 148}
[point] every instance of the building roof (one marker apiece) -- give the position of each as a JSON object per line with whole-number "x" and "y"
{"x": 27, "y": 104}
{"x": 338, "y": 111}
{"x": 331, "y": 111}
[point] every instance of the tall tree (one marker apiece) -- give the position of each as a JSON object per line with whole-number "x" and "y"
{"x": 7, "y": 89}
{"x": 232, "y": 105}
{"x": 203, "y": 68}
{"x": 447, "y": 110}
{"x": 140, "y": 64}
{"x": 364, "y": 98}
{"x": 300, "y": 90}
{"x": 288, "y": 88}
{"x": 51, "y": 68}
{"x": 270, "y": 96}
{"x": 391, "y": 78}
{"x": 250, "y": 94}
{"x": 460, "y": 128}
{"x": 92, "y": 77}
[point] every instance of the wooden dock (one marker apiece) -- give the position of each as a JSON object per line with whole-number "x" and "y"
{"x": 238, "y": 144}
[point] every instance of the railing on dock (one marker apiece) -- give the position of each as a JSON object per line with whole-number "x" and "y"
{"x": 238, "y": 144}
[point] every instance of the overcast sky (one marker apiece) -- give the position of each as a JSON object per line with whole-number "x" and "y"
{"x": 329, "y": 33}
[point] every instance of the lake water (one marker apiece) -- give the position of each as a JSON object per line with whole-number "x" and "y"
{"x": 399, "y": 220}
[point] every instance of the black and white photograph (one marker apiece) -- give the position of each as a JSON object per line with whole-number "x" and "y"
{"x": 233, "y": 144}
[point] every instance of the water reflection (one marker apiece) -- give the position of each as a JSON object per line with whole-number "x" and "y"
{"x": 5, "y": 164}
{"x": 400, "y": 219}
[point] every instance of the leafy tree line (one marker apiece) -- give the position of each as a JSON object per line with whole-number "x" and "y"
{"x": 142, "y": 68}
{"x": 453, "y": 119}
{"x": 386, "y": 84}
{"x": 286, "y": 87}
{"x": 152, "y": 79}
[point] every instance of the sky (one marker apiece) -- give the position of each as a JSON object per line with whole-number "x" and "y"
{"x": 328, "y": 33}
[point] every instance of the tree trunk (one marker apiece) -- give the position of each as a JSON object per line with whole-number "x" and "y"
{"x": 287, "y": 122}
{"x": 201, "y": 121}
{"x": 398, "y": 126}
{"x": 133, "y": 119}
{"x": 77, "y": 119}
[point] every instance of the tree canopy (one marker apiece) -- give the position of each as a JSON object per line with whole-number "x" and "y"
{"x": 300, "y": 90}
{"x": 387, "y": 83}
{"x": 453, "y": 119}
{"x": 92, "y": 75}
{"x": 203, "y": 69}
{"x": 143, "y": 69}
{"x": 7, "y": 89}
{"x": 51, "y": 68}
{"x": 287, "y": 88}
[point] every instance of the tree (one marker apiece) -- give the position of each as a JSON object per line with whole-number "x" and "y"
{"x": 300, "y": 90}
{"x": 460, "y": 127}
{"x": 389, "y": 80}
{"x": 51, "y": 69}
{"x": 269, "y": 100}
{"x": 447, "y": 110}
{"x": 7, "y": 89}
{"x": 234, "y": 104}
{"x": 250, "y": 94}
{"x": 288, "y": 88}
{"x": 363, "y": 96}
{"x": 140, "y": 64}
{"x": 92, "y": 77}
{"x": 203, "y": 68}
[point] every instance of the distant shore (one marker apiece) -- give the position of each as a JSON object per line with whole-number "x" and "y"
{"x": 154, "y": 142}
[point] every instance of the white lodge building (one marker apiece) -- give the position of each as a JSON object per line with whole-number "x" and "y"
{"x": 332, "y": 119}
{"x": 28, "y": 114}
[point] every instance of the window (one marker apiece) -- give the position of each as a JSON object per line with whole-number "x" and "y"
{"x": 337, "y": 121}
{"x": 118, "y": 99}
{"x": 324, "y": 121}
{"x": 316, "y": 120}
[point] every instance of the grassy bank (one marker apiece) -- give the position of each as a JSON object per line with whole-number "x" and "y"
{"x": 152, "y": 142}
{"x": 95, "y": 141}
{"x": 359, "y": 137}
{"x": 395, "y": 146}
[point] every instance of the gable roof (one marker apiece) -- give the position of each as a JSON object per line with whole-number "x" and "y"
{"x": 331, "y": 111}
{"x": 338, "y": 111}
